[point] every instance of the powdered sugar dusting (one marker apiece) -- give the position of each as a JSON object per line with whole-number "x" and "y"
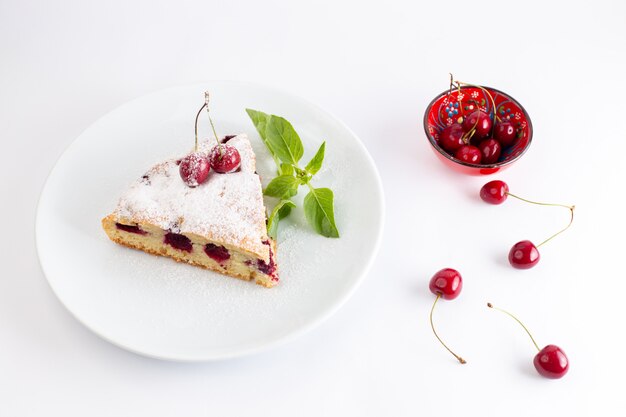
{"x": 227, "y": 208}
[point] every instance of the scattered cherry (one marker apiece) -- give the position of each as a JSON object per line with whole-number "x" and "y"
{"x": 490, "y": 150}
{"x": 480, "y": 121}
{"x": 225, "y": 158}
{"x": 447, "y": 284}
{"x": 551, "y": 362}
{"x": 451, "y": 137}
{"x": 494, "y": 192}
{"x": 468, "y": 153}
{"x": 505, "y": 133}
{"x": 194, "y": 169}
{"x": 524, "y": 255}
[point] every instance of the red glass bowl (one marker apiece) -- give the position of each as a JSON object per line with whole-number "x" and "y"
{"x": 450, "y": 106}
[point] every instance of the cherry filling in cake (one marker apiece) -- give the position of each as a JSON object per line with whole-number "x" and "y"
{"x": 130, "y": 229}
{"x": 220, "y": 224}
{"x": 217, "y": 253}
{"x": 198, "y": 252}
{"x": 178, "y": 241}
{"x": 267, "y": 268}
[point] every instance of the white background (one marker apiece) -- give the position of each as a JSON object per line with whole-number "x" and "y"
{"x": 375, "y": 65}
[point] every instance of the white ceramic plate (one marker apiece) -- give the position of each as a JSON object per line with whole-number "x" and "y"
{"x": 160, "y": 308}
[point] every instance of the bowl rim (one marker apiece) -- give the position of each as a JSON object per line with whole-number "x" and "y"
{"x": 436, "y": 146}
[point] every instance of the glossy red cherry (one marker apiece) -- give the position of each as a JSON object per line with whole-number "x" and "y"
{"x": 480, "y": 121}
{"x": 446, "y": 283}
{"x": 451, "y": 138}
{"x": 505, "y": 133}
{"x": 490, "y": 150}
{"x": 524, "y": 255}
{"x": 194, "y": 169}
{"x": 468, "y": 153}
{"x": 494, "y": 192}
{"x": 225, "y": 158}
{"x": 551, "y": 362}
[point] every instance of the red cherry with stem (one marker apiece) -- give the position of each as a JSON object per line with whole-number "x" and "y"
{"x": 490, "y": 150}
{"x": 494, "y": 192}
{"x": 225, "y": 158}
{"x": 447, "y": 284}
{"x": 451, "y": 138}
{"x": 480, "y": 122}
{"x": 524, "y": 255}
{"x": 468, "y": 153}
{"x": 505, "y": 133}
{"x": 477, "y": 124}
{"x": 551, "y": 361}
{"x": 194, "y": 169}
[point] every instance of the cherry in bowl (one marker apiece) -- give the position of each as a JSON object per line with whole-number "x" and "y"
{"x": 510, "y": 126}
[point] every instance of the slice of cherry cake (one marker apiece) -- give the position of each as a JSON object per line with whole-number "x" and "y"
{"x": 219, "y": 225}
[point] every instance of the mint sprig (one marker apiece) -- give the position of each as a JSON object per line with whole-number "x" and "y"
{"x": 286, "y": 148}
{"x": 281, "y": 210}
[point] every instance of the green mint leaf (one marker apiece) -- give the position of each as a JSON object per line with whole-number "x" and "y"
{"x": 284, "y": 140}
{"x": 319, "y": 211}
{"x": 281, "y": 210}
{"x": 315, "y": 163}
{"x": 282, "y": 186}
{"x": 285, "y": 169}
{"x": 260, "y": 120}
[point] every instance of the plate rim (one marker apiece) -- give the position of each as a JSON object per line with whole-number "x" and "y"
{"x": 259, "y": 347}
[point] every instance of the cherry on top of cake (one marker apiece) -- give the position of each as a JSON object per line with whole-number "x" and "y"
{"x": 226, "y": 208}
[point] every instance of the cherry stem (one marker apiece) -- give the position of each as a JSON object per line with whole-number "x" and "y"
{"x": 517, "y": 320}
{"x": 493, "y": 102}
{"x": 539, "y": 203}
{"x": 468, "y": 136}
{"x": 206, "y": 103}
{"x": 570, "y": 208}
{"x": 460, "y": 359}
{"x": 197, "y": 116}
{"x": 571, "y": 220}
